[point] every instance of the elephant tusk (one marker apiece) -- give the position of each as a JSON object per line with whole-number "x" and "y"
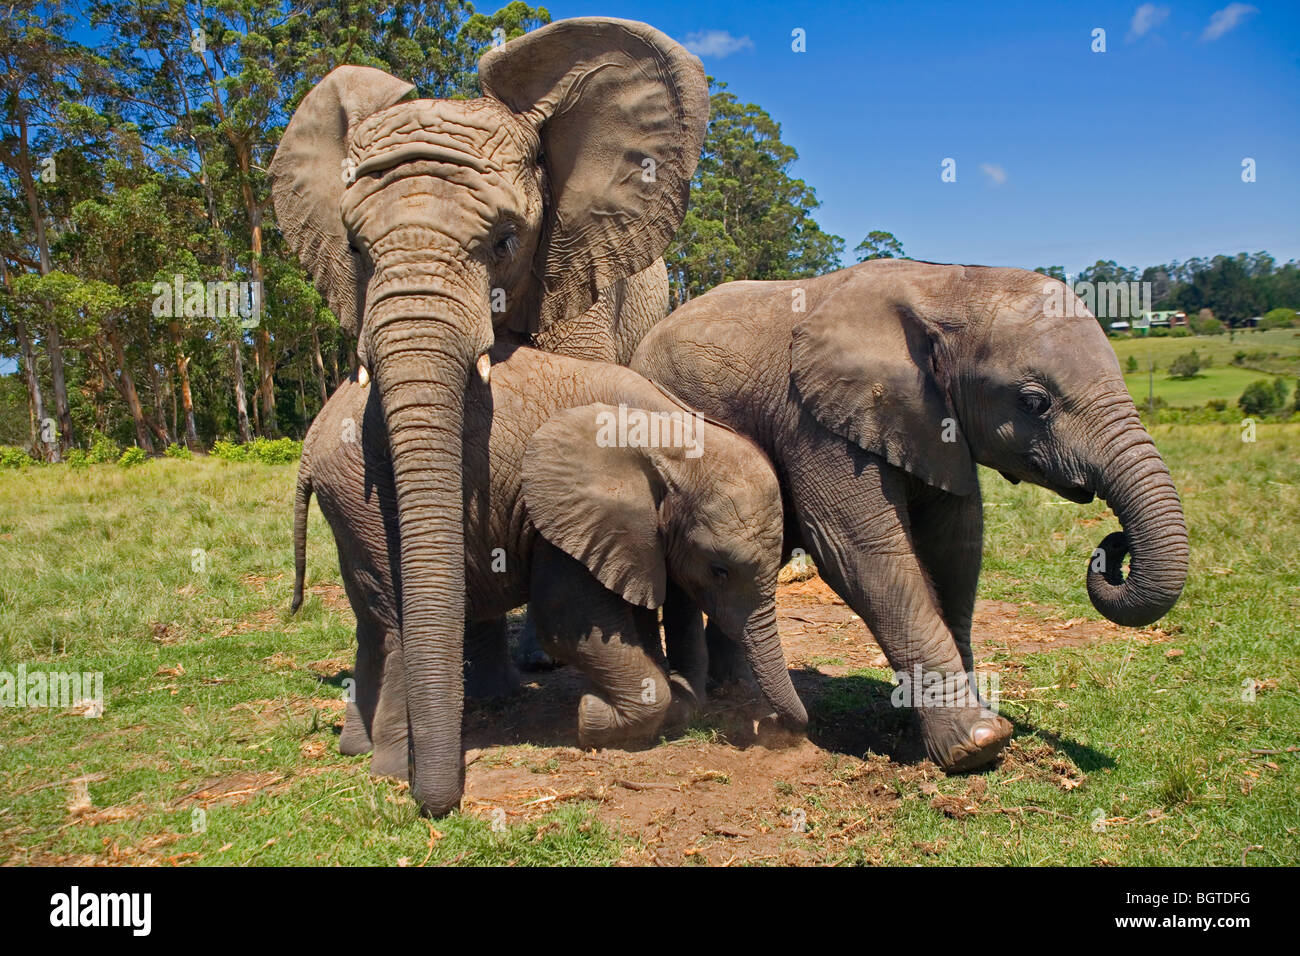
{"x": 484, "y": 366}
{"x": 363, "y": 376}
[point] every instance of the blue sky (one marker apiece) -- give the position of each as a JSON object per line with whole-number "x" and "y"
{"x": 1064, "y": 156}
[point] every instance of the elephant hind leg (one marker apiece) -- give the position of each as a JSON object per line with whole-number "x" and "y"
{"x": 582, "y": 623}
{"x": 389, "y": 730}
{"x": 363, "y": 695}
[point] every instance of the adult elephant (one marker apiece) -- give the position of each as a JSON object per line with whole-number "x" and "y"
{"x": 875, "y": 390}
{"x": 430, "y": 224}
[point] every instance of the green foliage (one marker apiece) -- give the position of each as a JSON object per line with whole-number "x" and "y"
{"x": 103, "y": 450}
{"x": 1131, "y": 365}
{"x": 133, "y": 456}
{"x": 748, "y": 217}
{"x": 178, "y": 451}
{"x": 1185, "y": 365}
{"x": 11, "y": 457}
{"x": 1263, "y": 397}
{"x": 265, "y": 450}
{"x": 879, "y": 245}
{"x": 1280, "y": 318}
{"x": 1205, "y": 325}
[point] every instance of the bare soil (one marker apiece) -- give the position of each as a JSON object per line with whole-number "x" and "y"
{"x": 714, "y": 793}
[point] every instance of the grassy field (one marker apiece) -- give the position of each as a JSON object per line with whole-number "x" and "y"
{"x": 1221, "y": 379}
{"x": 218, "y": 740}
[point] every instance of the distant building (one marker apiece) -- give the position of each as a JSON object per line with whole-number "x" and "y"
{"x": 1163, "y": 320}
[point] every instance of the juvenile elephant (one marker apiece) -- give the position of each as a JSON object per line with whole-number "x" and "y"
{"x": 430, "y": 225}
{"x": 874, "y": 391}
{"x": 565, "y": 500}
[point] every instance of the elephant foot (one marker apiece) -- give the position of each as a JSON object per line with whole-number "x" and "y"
{"x": 602, "y": 725}
{"x": 492, "y": 683}
{"x": 963, "y": 738}
{"x": 354, "y": 740}
{"x": 390, "y": 760}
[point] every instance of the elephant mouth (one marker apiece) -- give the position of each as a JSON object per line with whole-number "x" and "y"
{"x": 1076, "y": 493}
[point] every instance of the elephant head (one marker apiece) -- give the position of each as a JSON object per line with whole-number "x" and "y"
{"x": 939, "y": 367}
{"x": 705, "y": 510}
{"x": 428, "y": 224}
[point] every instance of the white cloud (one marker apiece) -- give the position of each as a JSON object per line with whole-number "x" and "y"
{"x": 1145, "y": 19}
{"x": 716, "y": 43}
{"x": 1222, "y": 21}
{"x": 996, "y": 174}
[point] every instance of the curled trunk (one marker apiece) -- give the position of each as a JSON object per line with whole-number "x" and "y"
{"x": 1137, "y": 485}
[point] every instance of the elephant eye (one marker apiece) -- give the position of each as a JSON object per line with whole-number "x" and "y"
{"x": 1035, "y": 400}
{"x": 506, "y": 243}
{"x": 719, "y": 573}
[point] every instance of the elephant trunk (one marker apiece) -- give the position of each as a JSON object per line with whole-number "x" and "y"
{"x": 422, "y": 356}
{"x": 1137, "y": 485}
{"x": 763, "y": 651}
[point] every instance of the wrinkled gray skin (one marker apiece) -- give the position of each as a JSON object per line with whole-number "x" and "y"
{"x": 851, "y": 382}
{"x": 430, "y": 225}
{"x": 600, "y": 536}
{"x": 609, "y": 331}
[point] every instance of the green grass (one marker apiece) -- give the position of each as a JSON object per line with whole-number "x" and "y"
{"x": 207, "y": 677}
{"x": 1222, "y": 379}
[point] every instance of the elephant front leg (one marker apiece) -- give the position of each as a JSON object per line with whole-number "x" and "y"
{"x": 489, "y": 672}
{"x": 582, "y": 623}
{"x": 688, "y": 656}
{"x": 948, "y": 532}
{"x": 854, "y": 517}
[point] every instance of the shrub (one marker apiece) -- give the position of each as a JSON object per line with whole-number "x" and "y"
{"x": 267, "y": 451}
{"x": 76, "y": 458}
{"x": 1206, "y": 325}
{"x": 178, "y": 451}
{"x": 104, "y": 449}
{"x": 1217, "y": 404}
{"x": 11, "y": 457}
{"x": 1158, "y": 332}
{"x": 1132, "y": 364}
{"x": 1180, "y": 332}
{"x": 132, "y": 456}
{"x": 1263, "y": 397}
{"x": 1185, "y": 366}
{"x": 1279, "y": 319}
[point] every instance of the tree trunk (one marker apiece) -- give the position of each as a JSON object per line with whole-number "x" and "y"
{"x": 35, "y": 400}
{"x": 53, "y": 341}
{"x": 241, "y": 399}
{"x": 126, "y": 385}
{"x": 187, "y": 399}
{"x": 319, "y": 364}
{"x": 54, "y": 347}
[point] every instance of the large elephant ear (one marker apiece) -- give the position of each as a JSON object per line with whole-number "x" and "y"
{"x": 621, "y": 111}
{"x": 598, "y": 503}
{"x": 865, "y": 365}
{"x": 308, "y": 179}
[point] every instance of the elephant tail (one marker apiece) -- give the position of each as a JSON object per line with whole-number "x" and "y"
{"x": 302, "y": 499}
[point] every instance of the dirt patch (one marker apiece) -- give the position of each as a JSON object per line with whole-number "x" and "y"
{"x": 716, "y": 794}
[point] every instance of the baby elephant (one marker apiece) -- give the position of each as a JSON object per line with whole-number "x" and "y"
{"x": 589, "y": 492}
{"x": 875, "y": 391}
